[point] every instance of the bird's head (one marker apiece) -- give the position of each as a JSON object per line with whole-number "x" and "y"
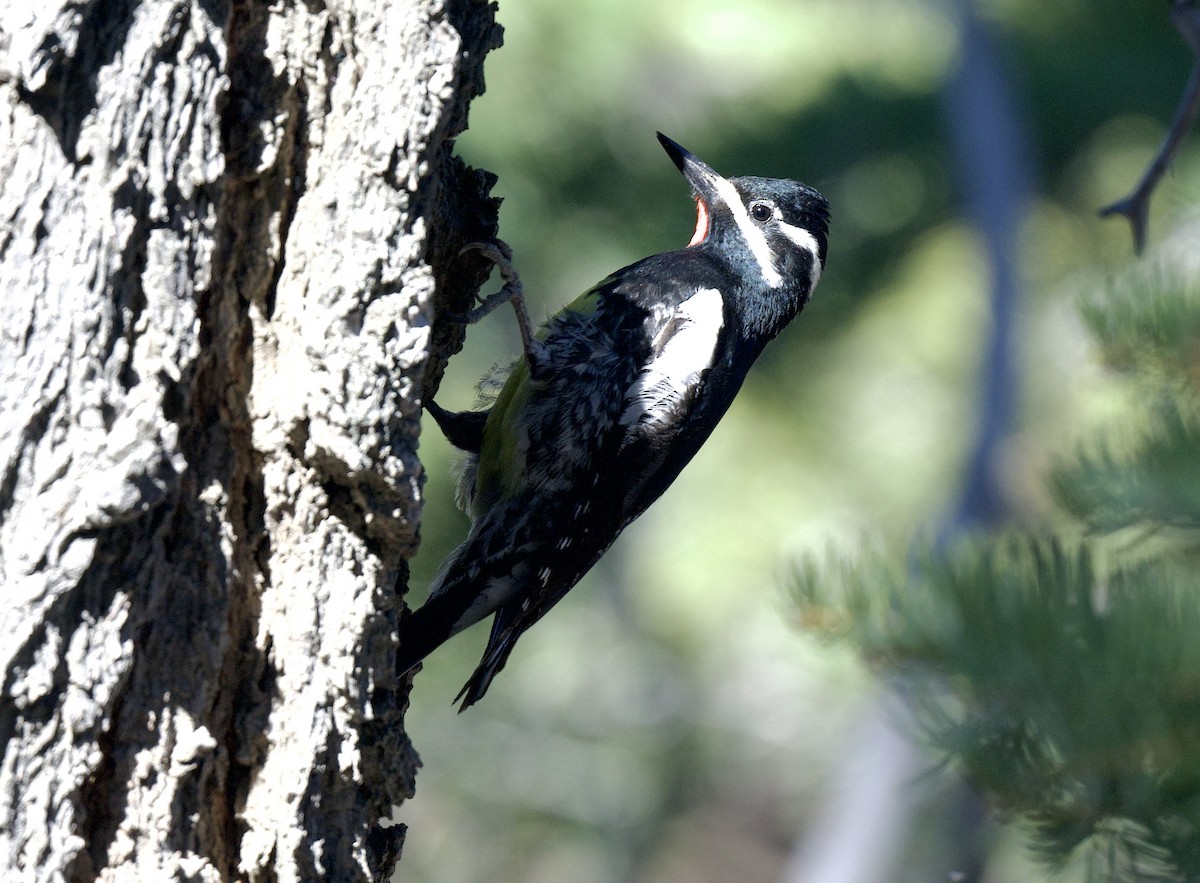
{"x": 774, "y": 231}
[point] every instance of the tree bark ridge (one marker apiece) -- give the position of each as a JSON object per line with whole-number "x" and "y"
{"x": 231, "y": 229}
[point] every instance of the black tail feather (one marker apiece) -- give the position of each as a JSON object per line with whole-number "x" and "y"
{"x": 506, "y": 628}
{"x": 424, "y": 630}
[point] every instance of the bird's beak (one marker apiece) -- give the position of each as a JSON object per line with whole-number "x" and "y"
{"x": 700, "y": 175}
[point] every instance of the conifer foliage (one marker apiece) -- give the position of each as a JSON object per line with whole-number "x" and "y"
{"x": 1059, "y": 667}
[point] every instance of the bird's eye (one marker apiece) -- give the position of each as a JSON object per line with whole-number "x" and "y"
{"x": 761, "y": 211}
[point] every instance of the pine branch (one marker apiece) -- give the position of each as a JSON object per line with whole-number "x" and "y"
{"x": 1064, "y": 690}
{"x": 1147, "y": 320}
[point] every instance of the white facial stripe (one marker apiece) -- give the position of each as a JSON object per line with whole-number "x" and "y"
{"x": 802, "y": 238}
{"x": 753, "y": 234}
{"x": 807, "y": 241}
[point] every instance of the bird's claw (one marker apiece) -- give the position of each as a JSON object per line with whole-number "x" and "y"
{"x": 500, "y": 255}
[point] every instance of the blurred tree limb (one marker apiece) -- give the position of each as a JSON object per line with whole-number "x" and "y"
{"x": 990, "y": 147}
{"x": 1136, "y": 206}
{"x": 991, "y": 150}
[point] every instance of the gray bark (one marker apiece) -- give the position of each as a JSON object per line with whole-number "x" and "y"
{"x": 226, "y": 231}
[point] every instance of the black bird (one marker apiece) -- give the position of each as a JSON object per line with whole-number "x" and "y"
{"x": 615, "y": 395}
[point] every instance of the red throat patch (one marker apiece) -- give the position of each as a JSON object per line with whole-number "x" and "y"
{"x": 701, "y": 223}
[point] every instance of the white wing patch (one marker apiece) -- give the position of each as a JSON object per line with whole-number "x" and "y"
{"x": 684, "y": 348}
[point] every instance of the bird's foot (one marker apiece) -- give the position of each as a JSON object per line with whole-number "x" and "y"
{"x": 500, "y": 255}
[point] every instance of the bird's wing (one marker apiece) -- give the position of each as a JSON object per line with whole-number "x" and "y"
{"x": 542, "y": 432}
{"x": 623, "y": 375}
{"x": 682, "y": 350}
{"x": 648, "y": 408}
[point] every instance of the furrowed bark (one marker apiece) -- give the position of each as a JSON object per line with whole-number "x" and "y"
{"x": 227, "y": 231}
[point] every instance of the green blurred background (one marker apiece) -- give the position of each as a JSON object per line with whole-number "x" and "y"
{"x": 670, "y": 720}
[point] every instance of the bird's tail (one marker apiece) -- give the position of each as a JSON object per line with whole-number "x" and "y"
{"x": 506, "y": 628}
{"x": 468, "y": 588}
{"x": 422, "y": 632}
{"x": 439, "y": 618}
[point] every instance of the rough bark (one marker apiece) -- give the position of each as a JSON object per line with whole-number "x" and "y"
{"x": 222, "y": 228}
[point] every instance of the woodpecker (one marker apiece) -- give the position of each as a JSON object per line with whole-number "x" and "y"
{"x": 613, "y": 397}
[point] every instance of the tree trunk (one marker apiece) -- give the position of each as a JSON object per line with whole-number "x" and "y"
{"x": 227, "y": 231}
